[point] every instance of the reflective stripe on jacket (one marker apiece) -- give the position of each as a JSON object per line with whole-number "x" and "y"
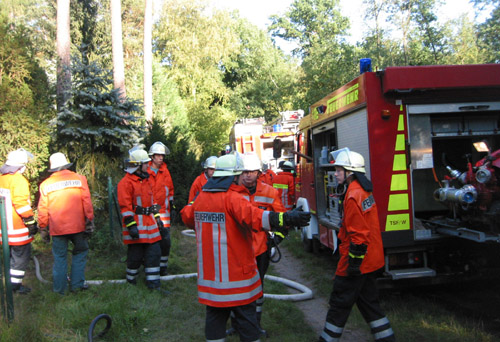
{"x": 227, "y": 271}
{"x": 64, "y": 203}
{"x": 16, "y": 190}
{"x": 163, "y": 190}
{"x": 360, "y": 225}
{"x": 267, "y": 198}
{"x": 285, "y": 184}
{"x": 134, "y": 191}
{"x": 197, "y": 186}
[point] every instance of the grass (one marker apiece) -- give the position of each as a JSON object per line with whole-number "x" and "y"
{"x": 413, "y": 318}
{"x": 137, "y": 313}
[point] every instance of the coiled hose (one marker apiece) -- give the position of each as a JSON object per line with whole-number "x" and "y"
{"x": 93, "y": 324}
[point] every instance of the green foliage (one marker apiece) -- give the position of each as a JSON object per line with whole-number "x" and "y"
{"x": 489, "y": 33}
{"x": 94, "y": 118}
{"x": 24, "y": 99}
{"x": 182, "y": 163}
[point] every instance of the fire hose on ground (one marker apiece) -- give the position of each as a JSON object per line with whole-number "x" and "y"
{"x": 305, "y": 292}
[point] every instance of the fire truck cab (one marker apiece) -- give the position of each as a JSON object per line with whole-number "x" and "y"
{"x": 438, "y": 196}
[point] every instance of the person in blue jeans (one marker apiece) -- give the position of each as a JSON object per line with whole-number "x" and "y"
{"x": 65, "y": 213}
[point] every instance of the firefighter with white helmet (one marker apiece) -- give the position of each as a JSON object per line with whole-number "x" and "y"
{"x": 21, "y": 225}
{"x": 224, "y": 220}
{"x": 284, "y": 182}
{"x": 265, "y": 197}
{"x": 140, "y": 214}
{"x": 163, "y": 190}
{"x": 201, "y": 180}
{"x": 65, "y": 211}
{"x": 361, "y": 253}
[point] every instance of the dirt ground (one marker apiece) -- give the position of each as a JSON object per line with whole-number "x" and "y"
{"x": 314, "y": 309}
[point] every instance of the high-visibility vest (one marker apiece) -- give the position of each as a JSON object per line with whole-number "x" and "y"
{"x": 15, "y": 189}
{"x": 227, "y": 271}
{"x": 134, "y": 192}
{"x": 64, "y": 203}
{"x": 285, "y": 184}
{"x": 360, "y": 225}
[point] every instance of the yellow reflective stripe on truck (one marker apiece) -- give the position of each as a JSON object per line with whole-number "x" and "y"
{"x": 399, "y": 183}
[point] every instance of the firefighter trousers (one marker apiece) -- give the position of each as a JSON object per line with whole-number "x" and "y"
{"x": 19, "y": 259}
{"x": 362, "y": 291}
{"x": 149, "y": 255}
{"x": 216, "y": 318}
{"x": 165, "y": 251}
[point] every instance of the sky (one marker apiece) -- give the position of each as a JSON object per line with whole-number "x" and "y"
{"x": 258, "y": 11}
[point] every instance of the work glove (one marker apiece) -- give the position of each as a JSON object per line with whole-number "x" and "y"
{"x": 356, "y": 257}
{"x": 30, "y": 223}
{"x": 131, "y": 227}
{"x": 295, "y": 217}
{"x": 173, "y": 212}
{"x": 45, "y": 235}
{"x": 89, "y": 228}
{"x": 133, "y": 232}
{"x": 161, "y": 227}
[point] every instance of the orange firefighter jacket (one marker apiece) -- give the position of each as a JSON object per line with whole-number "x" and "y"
{"x": 360, "y": 225}
{"x": 267, "y": 198}
{"x": 267, "y": 177}
{"x": 285, "y": 184}
{"x": 16, "y": 190}
{"x": 133, "y": 192}
{"x": 64, "y": 203}
{"x": 197, "y": 185}
{"x": 223, "y": 221}
{"x": 163, "y": 190}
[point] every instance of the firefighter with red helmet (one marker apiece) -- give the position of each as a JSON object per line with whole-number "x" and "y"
{"x": 140, "y": 215}
{"x": 65, "y": 207}
{"x": 284, "y": 182}
{"x": 21, "y": 225}
{"x": 228, "y": 279}
{"x": 163, "y": 191}
{"x": 361, "y": 253}
{"x": 201, "y": 180}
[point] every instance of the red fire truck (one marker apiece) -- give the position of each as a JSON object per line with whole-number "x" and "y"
{"x": 417, "y": 127}
{"x": 255, "y": 135}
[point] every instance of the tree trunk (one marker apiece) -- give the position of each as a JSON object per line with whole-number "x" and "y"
{"x": 117, "y": 46}
{"x": 63, "y": 54}
{"x": 148, "y": 60}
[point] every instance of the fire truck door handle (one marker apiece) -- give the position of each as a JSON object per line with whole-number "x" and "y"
{"x": 408, "y": 153}
{"x": 312, "y": 184}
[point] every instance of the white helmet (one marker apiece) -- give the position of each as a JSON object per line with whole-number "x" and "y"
{"x": 287, "y": 165}
{"x": 58, "y": 162}
{"x": 159, "y": 148}
{"x": 228, "y": 165}
{"x": 19, "y": 157}
{"x": 349, "y": 160}
{"x": 251, "y": 162}
{"x": 136, "y": 157}
{"x": 210, "y": 162}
